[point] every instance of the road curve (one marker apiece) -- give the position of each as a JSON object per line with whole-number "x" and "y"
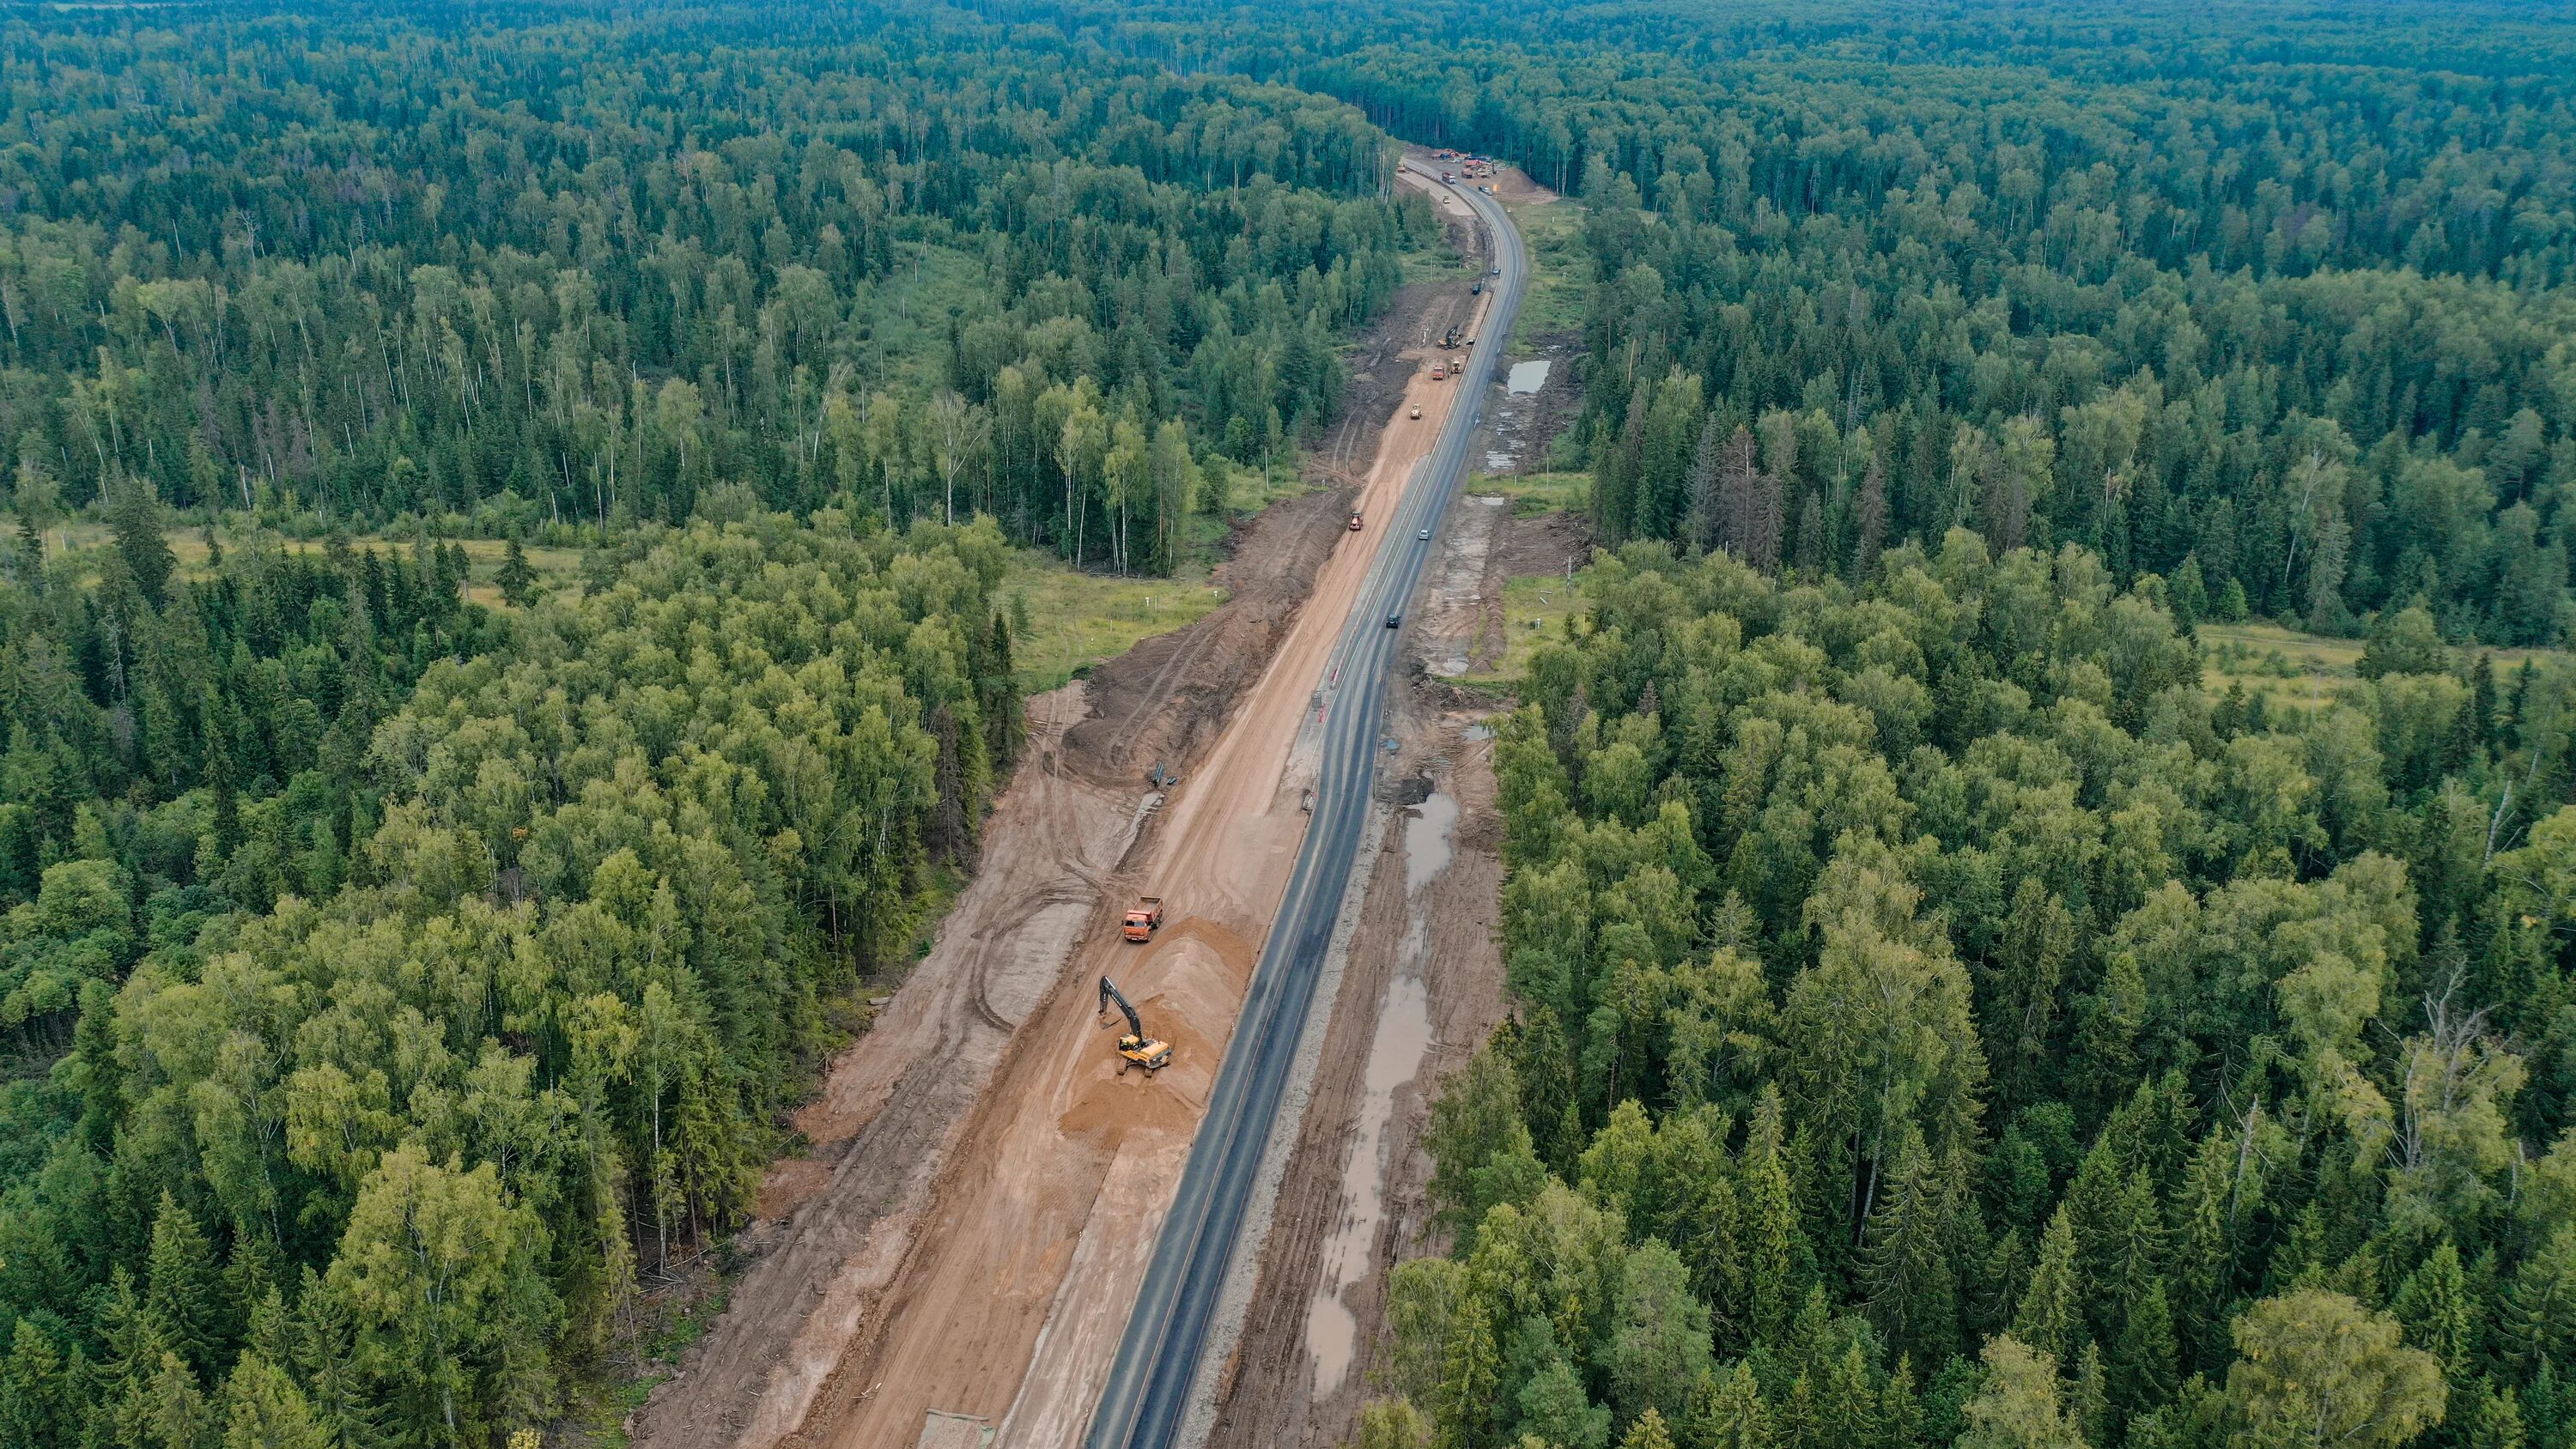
{"x": 1149, "y": 1383}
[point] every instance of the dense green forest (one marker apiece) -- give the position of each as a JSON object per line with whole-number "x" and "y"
{"x": 561, "y": 267}
{"x": 2281, "y": 295}
{"x": 1940, "y": 1019}
{"x": 393, "y": 1039}
{"x": 393, "y": 986}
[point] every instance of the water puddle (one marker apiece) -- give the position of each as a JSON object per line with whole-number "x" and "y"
{"x": 1402, "y": 1040}
{"x": 1403, "y": 1036}
{"x": 1477, "y": 732}
{"x": 1427, "y": 841}
{"x": 1527, "y": 376}
{"x": 1332, "y": 1336}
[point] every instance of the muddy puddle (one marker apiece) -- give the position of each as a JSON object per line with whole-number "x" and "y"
{"x": 1527, "y": 377}
{"x": 1396, "y": 1052}
{"x": 1429, "y": 842}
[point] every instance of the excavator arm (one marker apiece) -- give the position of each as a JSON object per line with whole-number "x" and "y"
{"x": 1135, "y": 1049}
{"x": 1108, "y": 994}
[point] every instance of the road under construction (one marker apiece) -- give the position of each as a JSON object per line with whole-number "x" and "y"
{"x": 1162, "y": 1351}
{"x": 1001, "y": 1237}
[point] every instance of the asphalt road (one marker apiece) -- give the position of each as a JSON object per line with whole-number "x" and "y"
{"x": 1149, "y": 1383}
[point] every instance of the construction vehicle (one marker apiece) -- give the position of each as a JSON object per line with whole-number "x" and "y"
{"x": 1135, "y": 1049}
{"x": 1355, "y": 521}
{"x": 1144, "y": 918}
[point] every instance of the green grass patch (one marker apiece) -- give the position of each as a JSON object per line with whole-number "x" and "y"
{"x": 1438, "y": 263}
{"x": 2266, "y": 658}
{"x": 1250, "y": 489}
{"x": 1071, "y": 620}
{"x": 909, "y": 311}
{"x": 2295, "y": 667}
{"x": 1535, "y": 612}
{"x": 188, "y": 545}
{"x": 1560, "y": 270}
{"x": 1534, "y": 493}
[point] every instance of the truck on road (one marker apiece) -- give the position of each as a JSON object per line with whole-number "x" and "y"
{"x": 1144, "y": 918}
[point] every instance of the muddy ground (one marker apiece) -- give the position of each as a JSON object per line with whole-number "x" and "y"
{"x": 1162, "y": 702}
{"x": 1521, "y": 429}
{"x": 1421, "y": 989}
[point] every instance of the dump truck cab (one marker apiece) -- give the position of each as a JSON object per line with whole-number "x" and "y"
{"x": 1143, "y": 918}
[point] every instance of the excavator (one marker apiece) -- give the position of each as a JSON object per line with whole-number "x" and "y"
{"x": 1135, "y": 1049}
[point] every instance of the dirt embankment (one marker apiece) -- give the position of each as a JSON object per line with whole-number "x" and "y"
{"x": 1162, "y": 702}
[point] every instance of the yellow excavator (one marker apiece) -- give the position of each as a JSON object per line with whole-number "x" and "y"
{"x": 1135, "y": 1049}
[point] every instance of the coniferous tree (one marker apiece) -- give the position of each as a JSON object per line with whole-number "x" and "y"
{"x": 36, "y": 1391}
{"x": 263, "y": 1409}
{"x": 1469, "y": 1377}
{"x": 184, "y": 1292}
{"x": 1727, "y": 1412}
{"x": 134, "y": 517}
{"x": 516, "y": 580}
{"x": 2051, "y": 1317}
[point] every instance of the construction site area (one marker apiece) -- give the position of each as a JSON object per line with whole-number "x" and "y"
{"x": 955, "y": 1258}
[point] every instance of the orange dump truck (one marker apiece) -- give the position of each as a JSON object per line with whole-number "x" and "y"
{"x": 1144, "y": 917}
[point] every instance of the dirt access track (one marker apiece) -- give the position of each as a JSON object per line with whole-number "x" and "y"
{"x": 970, "y": 1233}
